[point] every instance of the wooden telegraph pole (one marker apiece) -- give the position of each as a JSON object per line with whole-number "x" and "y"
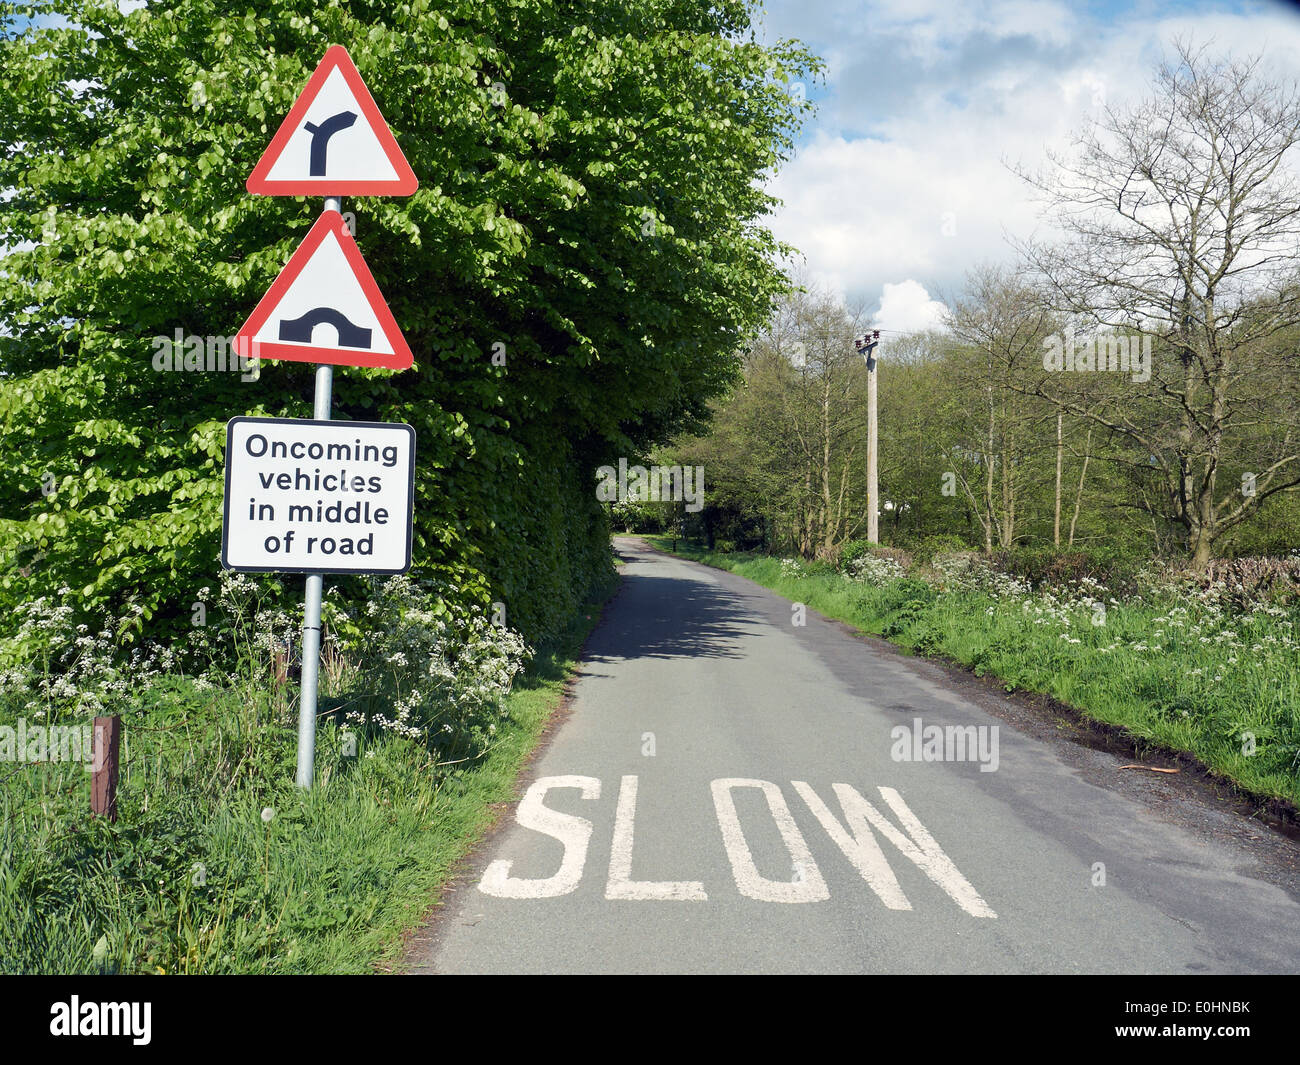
{"x": 103, "y": 782}
{"x": 866, "y": 347}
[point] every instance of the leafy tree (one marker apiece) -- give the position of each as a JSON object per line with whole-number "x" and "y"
{"x": 589, "y": 213}
{"x": 1000, "y": 324}
{"x": 793, "y": 437}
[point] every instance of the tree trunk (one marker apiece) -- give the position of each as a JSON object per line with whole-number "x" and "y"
{"x": 828, "y": 530}
{"x": 988, "y": 483}
{"x": 1202, "y": 549}
{"x": 1060, "y": 449}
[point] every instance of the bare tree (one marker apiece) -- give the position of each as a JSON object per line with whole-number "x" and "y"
{"x": 1000, "y": 323}
{"x": 1182, "y": 218}
{"x": 824, "y": 407}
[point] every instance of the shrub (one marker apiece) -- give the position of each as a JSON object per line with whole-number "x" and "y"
{"x": 427, "y": 672}
{"x": 925, "y": 550}
{"x": 1245, "y": 581}
{"x": 971, "y": 572}
{"x": 852, "y": 550}
{"x": 830, "y": 555}
{"x": 1112, "y": 567}
{"x": 876, "y": 570}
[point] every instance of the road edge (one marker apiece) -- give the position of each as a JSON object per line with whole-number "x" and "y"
{"x": 420, "y": 941}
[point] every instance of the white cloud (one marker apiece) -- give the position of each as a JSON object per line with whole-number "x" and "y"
{"x": 903, "y": 178}
{"x": 907, "y": 308}
{"x": 869, "y": 213}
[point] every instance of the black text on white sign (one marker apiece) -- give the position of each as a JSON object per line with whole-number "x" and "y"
{"x": 318, "y": 496}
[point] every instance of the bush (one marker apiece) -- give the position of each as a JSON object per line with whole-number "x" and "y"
{"x": 872, "y": 569}
{"x": 925, "y": 550}
{"x": 426, "y": 672}
{"x": 1250, "y": 580}
{"x": 852, "y": 550}
{"x": 1113, "y": 567}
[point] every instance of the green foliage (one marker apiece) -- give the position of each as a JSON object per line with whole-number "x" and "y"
{"x": 1112, "y": 566}
{"x": 944, "y": 543}
{"x": 589, "y": 207}
{"x": 637, "y": 515}
{"x": 852, "y": 550}
{"x": 217, "y": 863}
{"x": 903, "y": 603}
{"x": 425, "y": 672}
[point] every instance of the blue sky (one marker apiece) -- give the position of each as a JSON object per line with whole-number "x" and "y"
{"x": 900, "y": 183}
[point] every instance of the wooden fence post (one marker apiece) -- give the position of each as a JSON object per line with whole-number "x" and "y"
{"x": 103, "y": 782}
{"x": 280, "y": 668}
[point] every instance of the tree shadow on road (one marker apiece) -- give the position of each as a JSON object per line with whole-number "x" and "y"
{"x": 672, "y": 617}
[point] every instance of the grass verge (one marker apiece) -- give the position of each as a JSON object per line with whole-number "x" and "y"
{"x": 217, "y": 864}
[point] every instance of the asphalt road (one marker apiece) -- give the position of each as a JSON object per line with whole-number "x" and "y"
{"x": 734, "y": 792}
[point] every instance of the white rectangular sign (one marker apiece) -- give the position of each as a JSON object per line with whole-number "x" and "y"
{"x": 318, "y": 496}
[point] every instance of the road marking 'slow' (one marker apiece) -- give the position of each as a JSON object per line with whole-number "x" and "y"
{"x": 573, "y": 832}
{"x": 808, "y": 886}
{"x": 854, "y": 836}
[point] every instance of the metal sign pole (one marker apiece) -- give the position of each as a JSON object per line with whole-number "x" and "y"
{"x": 315, "y": 585}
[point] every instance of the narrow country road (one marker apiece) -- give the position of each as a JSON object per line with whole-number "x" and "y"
{"x": 725, "y": 797}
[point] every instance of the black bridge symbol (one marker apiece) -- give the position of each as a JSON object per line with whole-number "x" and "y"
{"x": 320, "y": 138}
{"x": 299, "y": 329}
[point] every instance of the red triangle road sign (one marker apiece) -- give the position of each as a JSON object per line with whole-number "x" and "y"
{"x": 333, "y": 142}
{"x": 325, "y": 307}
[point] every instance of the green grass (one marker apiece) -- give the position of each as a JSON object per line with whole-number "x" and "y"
{"x": 192, "y": 879}
{"x": 1174, "y": 672}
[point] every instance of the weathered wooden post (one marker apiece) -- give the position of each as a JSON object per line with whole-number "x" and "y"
{"x": 103, "y": 781}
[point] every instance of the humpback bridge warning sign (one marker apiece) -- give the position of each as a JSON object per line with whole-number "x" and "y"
{"x": 325, "y": 308}
{"x": 318, "y": 496}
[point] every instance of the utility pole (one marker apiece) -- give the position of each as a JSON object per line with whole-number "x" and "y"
{"x": 866, "y": 347}
{"x": 1060, "y": 451}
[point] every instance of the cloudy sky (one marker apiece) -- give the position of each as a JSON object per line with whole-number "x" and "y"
{"x": 900, "y": 183}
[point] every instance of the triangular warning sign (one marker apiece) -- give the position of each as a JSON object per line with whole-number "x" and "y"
{"x": 325, "y": 307}
{"x": 333, "y": 142}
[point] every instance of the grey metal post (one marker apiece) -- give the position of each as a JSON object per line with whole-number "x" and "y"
{"x": 311, "y": 611}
